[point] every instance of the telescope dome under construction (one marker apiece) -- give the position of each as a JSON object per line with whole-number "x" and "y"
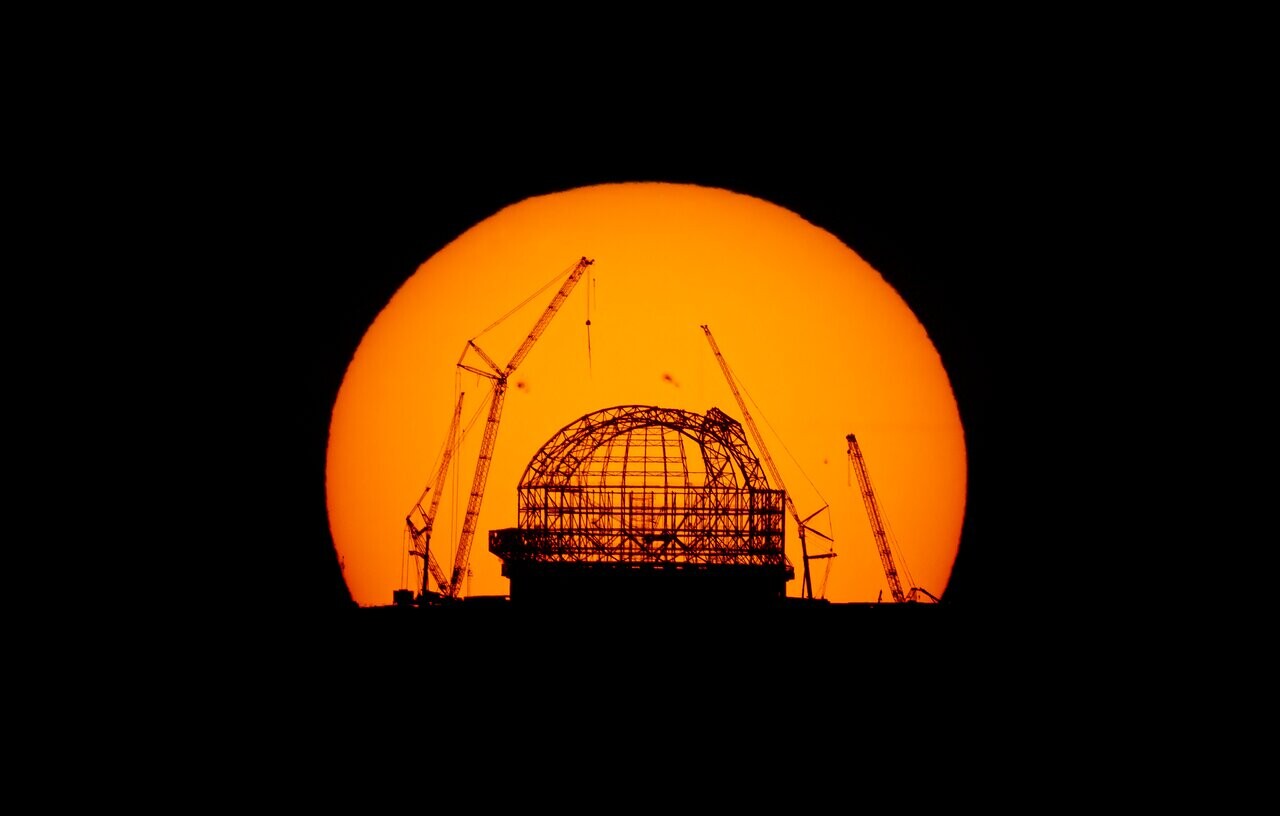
{"x": 638, "y": 504}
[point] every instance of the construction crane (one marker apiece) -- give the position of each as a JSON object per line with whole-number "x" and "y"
{"x": 826, "y": 573}
{"x": 806, "y": 589}
{"x": 421, "y": 534}
{"x": 877, "y": 527}
{"x": 487, "y": 443}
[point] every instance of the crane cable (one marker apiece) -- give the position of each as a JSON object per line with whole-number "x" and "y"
{"x": 407, "y": 539}
{"x": 900, "y": 558}
{"x": 777, "y": 436}
{"x": 524, "y": 302}
{"x": 891, "y": 539}
{"x": 588, "y": 299}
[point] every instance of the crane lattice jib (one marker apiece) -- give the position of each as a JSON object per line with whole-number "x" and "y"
{"x": 422, "y": 535}
{"x": 748, "y": 421}
{"x": 807, "y": 587}
{"x": 490, "y": 439}
{"x": 477, "y": 487}
{"x": 877, "y": 524}
{"x": 550, "y": 312}
{"x": 437, "y": 572}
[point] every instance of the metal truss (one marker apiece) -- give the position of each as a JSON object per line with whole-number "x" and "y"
{"x": 637, "y": 484}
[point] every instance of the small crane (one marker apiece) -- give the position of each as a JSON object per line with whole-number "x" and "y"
{"x": 877, "y": 528}
{"x": 802, "y": 527}
{"x": 421, "y": 534}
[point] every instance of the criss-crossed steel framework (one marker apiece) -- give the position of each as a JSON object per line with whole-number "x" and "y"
{"x": 637, "y": 484}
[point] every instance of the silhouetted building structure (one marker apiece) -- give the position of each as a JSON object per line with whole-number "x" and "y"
{"x": 638, "y": 504}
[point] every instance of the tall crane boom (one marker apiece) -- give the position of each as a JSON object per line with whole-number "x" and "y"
{"x": 421, "y": 535}
{"x": 489, "y": 441}
{"x": 877, "y": 524}
{"x": 802, "y": 527}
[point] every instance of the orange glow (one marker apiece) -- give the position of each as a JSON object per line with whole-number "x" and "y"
{"x": 820, "y": 344}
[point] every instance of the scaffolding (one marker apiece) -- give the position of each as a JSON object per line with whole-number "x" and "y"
{"x": 646, "y": 487}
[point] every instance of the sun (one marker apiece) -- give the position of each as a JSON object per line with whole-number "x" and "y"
{"x": 819, "y": 344}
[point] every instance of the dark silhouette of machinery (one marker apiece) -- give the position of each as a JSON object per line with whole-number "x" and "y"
{"x": 826, "y": 573}
{"x": 646, "y": 504}
{"x": 420, "y": 533}
{"x": 451, "y": 587}
{"x": 802, "y": 524}
{"x": 878, "y": 529}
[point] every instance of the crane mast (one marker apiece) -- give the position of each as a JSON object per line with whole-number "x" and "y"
{"x": 877, "y": 524}
{"x": 806, "y": 588}
{"x": 490, "y": 438}
{"x": 422, "y": 535}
